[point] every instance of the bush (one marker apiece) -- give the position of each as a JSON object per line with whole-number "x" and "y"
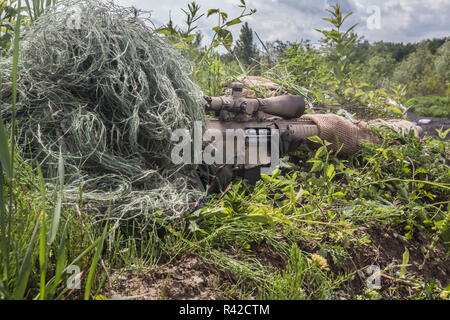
{"x": 430, "y": 106}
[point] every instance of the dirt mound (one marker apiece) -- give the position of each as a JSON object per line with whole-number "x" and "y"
{"x": 185, "y": 279}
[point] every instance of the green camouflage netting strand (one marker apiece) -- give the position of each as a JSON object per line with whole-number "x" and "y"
{"x": 98, "y": 83}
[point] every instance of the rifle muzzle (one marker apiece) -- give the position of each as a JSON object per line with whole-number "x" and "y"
{"x": 286, "y": 106}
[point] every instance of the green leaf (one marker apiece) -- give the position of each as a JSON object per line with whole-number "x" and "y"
{"x": 331, "y": 172}
{"x": 276, "y": 173}
{"x": 164, "y": 31}
{"x": 338, "y": 194}
{"x": 404, "y": 262}
{"x": 4, "y": 150}
{"x": 315, "y": 139}
{"x": 318, "y": 165}
{"x": 348, "y": 15}
{"x": 41, "y": 182}
{"x": 225, "y": 37}
{"x": 224, "y": 16}
{"x": 212, "y": 11}
{"x": 190, "y": 38}
{"x": 193, "y": 227}
{"x": 321, "y": 151}
{"x": 233, "y": 22}
{"x": 3, "y": 290}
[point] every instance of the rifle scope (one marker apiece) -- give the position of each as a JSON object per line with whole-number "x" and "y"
{"x": 285, "y": 106}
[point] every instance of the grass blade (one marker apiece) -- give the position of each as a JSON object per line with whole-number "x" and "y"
{"x": 92, "y": 246}
{"x": 61, "y": 260}
{"x": 7, "y": 235}
{"x": 3, "y": 228}
{"x": 42, "y": 256}
{"x": 25, "y": 268}
{"x": 52, "y": 281}
{"x": 95, "y": 260}
{"x": 14, "y": 84}
{"x": 41, "y": 182}
{"x": 3, "y": 291}
{"x": 36, "y": 7}
{"x": 4, "y": 151}
{"x": 30, "y": 13}
{"x": 57, "y": 212}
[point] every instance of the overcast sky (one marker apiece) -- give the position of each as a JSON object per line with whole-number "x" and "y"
{"x": 294, "y": 20}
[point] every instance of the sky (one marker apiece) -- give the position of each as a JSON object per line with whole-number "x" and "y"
{"x": 294, "y": 20}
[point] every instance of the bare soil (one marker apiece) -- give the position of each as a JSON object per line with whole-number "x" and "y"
{"x": 189, "y": 278}
{"x": 185, "y": 279}
{"x": 386, "y": 248}
{"x": 430, "y": 129}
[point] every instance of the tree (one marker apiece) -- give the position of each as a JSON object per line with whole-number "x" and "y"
{"x": 378, "y": 69}
{"x": 415, "y": 68}
{"x": 245, "y": 49}
{"x": 442, "y": 62}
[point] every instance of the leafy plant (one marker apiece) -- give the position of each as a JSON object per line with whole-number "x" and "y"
{"x": 8, "y": 15}
{"x": 179, "y": 37}
{"x": 222, "y": 34}
{"x": 340, "y": 42}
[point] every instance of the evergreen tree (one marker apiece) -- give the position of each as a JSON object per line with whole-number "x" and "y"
{"x": 245, "y": 49}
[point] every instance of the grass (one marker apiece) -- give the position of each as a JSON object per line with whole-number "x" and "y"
{"x": 40, "y": 247}
{"x": 304, "y": 278}
{"x": 24, "y": 220}
{"x": 325, "y": 216}
{"x": 312, "y": 222}
{"x": 430, "y": 106}
{"x": 297, "y": 234}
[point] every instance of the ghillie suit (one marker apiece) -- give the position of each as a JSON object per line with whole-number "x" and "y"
{"x": 97, "y": 84}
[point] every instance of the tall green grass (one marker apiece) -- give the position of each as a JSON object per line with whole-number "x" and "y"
{"x": 9, "y": 165}
{"x": 304, "y": 278}
{"x": 28, "y": 232}
{"x": 36, "y": 253}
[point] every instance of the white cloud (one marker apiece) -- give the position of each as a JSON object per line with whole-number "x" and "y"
{"x": 293, "y": 20}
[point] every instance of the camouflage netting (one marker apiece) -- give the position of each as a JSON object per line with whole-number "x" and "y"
{"x": 260, "y": 86}
{"x": 346, "y": 136}
{"x": 96, "y": 82}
